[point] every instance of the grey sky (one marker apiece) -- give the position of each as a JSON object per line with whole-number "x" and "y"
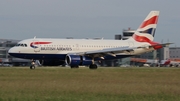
{"x": 22, "y": 19}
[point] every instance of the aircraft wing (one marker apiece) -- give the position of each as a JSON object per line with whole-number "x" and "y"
{"x": 114, "y": 51}
{"x": 107, "y": 51}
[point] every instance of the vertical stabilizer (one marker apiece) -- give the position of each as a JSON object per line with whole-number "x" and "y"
{"x": 146, "y": 30}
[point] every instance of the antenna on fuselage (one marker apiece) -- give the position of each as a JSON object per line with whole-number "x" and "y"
{"x": 34, "y": 37}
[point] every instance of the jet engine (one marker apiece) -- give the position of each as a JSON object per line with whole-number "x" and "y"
{"x": 76, "y": 60}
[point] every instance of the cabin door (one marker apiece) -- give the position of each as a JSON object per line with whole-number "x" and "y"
{"x": 36, "y": 45}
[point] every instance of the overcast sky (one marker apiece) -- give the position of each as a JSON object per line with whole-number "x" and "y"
{"x": 22, "y": 19}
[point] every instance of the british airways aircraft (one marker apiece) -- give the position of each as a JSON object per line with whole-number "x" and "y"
{"x": 84, "y": 52}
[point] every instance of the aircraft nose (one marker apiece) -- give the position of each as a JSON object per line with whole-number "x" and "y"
{"x": 11, "y": 51}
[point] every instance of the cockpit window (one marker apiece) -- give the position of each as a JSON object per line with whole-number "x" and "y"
{"x": 25, "y": 45}
{"x": 21, "y": 45}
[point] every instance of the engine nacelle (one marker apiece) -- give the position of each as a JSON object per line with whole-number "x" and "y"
{"x": 74, "y": 60}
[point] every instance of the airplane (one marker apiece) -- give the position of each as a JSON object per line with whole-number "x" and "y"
{"x": 171, "y": 62}
{"x": 84, "y": 52}
{"x": 151, "y": 62}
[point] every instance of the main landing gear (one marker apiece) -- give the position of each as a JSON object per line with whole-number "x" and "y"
{"x": 93, "y": 66}
{"x": 32, "y": 67}
{"x": 75, "y": 66}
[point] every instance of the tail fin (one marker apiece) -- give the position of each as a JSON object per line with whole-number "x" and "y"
{"x": 146, "y": 30}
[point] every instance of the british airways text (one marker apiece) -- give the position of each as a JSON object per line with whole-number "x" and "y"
{"x": 57, "y": 48}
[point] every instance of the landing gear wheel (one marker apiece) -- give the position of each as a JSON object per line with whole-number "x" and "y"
{"x": 74, "y": 66}
{"x": 93, "y": 66}
{"x": 30, "y": 67}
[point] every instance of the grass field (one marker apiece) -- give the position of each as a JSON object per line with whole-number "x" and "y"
{"x": 83, "y": 84}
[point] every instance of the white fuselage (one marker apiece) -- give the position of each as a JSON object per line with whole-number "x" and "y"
{"x": 67, "y": 46}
